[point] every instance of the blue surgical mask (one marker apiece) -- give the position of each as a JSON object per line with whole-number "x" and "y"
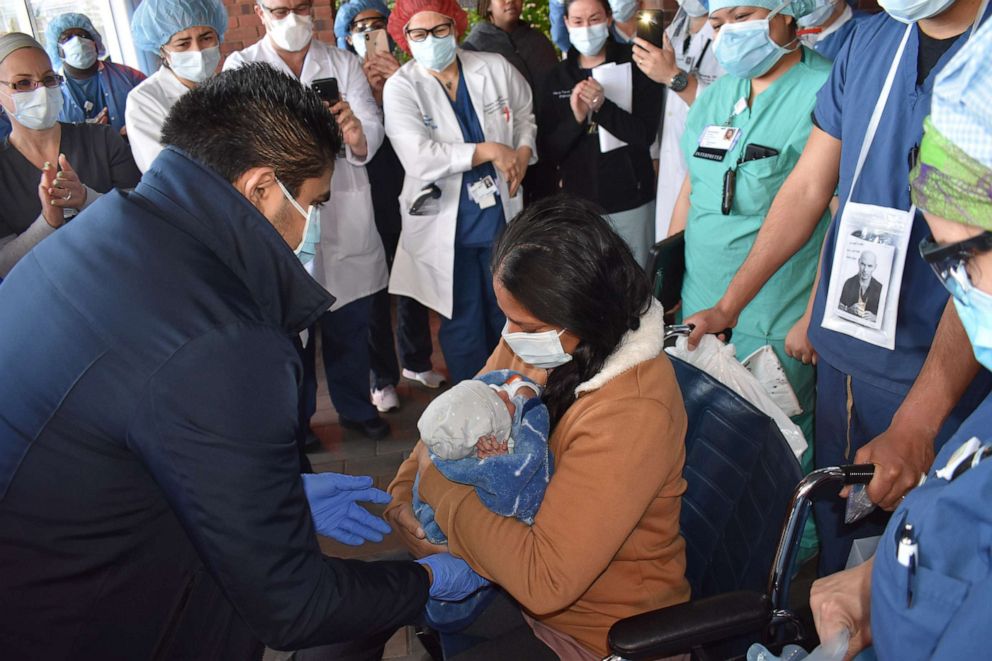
{"x": 693, "y": 8}
{"x": 976, "y": 317}
{"x": 542, "y": 350}
{"x": 433, "y": 53}
{"x": 911, "y": 11}
{"x": 307, "y": 249}
{"x": 623, "y": 10}
{"x": 746, "y": 49}
{"x": 589, "y": 40}
{"x": 817, "y": 17}
{"x": 79, "y": 52}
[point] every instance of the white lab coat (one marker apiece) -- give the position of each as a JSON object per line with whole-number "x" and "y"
{"x": 148, "y": 105}
{"x": 350, "y": 261}
{"x": 424, "y": 132}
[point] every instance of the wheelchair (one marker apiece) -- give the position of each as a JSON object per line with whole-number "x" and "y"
{"x": 739, "y": 555}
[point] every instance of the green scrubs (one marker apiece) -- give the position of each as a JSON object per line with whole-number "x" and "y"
{"x": 716, "y": 245}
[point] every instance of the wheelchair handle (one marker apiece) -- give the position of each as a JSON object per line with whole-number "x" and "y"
{"x": 802, "y": 500}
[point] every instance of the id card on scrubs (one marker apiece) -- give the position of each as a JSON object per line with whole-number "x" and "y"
{"x": 483, "y": 192}
{"x": 716, "y": 141}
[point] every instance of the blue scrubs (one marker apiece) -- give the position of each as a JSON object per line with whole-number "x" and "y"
{"x": 115, "y": 82}
{"x": 86, "y": 91}
{"x": 857, "y": 381}
{"x": 476, "y": 321}
{"x": 950, "y": 613}
{"x": 559, "y": 33}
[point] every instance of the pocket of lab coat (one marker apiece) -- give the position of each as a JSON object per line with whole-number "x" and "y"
{"x": 350, "y": 228}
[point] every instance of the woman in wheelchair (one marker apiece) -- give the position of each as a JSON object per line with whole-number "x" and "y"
{"x": 927, "y": 593}
{"x": 605, "y": 542}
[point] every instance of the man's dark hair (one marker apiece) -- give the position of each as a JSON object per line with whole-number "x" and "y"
{"x": 564, "y": 263}
{"x": 255, "y": 116}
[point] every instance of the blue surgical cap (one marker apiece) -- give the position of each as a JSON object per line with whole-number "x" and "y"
{"x": 155, "y": 21}
{"x": 347, "y": 13}
{"x": 64, "y": 22}
{"x": 795, "y": 8}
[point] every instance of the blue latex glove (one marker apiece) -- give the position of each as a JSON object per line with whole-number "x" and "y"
{"x": 453, "y": 578}
{"x": 336, "y": 513}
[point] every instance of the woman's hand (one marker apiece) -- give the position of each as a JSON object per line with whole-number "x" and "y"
{"x": 405, "y": 523}
{"x": 384, "y": 64}
{"x": 658, "y": 64}
{"x": 504, "y": 159}
{"x": 67, "y": 191}
{"x": 50, "y": 211}
{"x": 843, "y": 601}
{"x": 591, "y": 93}
{"x": 351, "y": 128}
{"x": 521, "y": 161}
{"x": 580, "y": 109}
{"x": 797, "y": 344}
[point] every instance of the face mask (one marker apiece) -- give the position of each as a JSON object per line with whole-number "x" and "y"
{"x": 693, "y": 8}
{"x": 976, "y": 317}
{"x": 589, "y": 40}
{"x": 817, "y": 18}
{"x": 911, "y": 11}
{"x": 359, "y": 44}
{"x": 307, "y": 249}
{"x": 538, "y": 349}
{"x": 623, "y": 10}
{"x": 433, "y": 53}
{"x": 79, "y": 53}
{"x": 292, "y": 33}
{"x": 746, "y": 49}
{"x": 38, "y": 109}
{"x": 195, "y": 65}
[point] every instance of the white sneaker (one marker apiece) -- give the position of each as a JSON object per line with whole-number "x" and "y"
{"x": 430, "y": 378}
{"x": 386, "y": 399}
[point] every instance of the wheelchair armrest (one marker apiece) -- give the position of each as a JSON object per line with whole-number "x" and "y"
{"x": 677, "y": 629}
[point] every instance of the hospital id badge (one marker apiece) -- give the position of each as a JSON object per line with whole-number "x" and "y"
{"x": 483, "y": 192}
{"x": 716, "y": 141}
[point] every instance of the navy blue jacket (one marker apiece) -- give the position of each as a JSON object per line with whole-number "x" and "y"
{"x": 148, "y": 404}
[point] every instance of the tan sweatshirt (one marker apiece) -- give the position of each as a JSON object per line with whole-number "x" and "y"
{"x": 605, "y": 544}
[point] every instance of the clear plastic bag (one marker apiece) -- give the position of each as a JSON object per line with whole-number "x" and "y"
{"x": 767, "y": 369}
{"x": 719, "y": 360}
{"x": 834, "y": 649}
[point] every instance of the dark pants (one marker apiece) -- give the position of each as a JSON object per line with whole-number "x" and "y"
{"x": 499, "y": 633}
{"x": 367, "y": 649}
{"x": 850, "y": 413}
{"x": 476, "y": 321}
{"x": 344, "y": 345}
{"x": 413, "y": 331}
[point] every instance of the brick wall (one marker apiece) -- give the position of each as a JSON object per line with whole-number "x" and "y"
{"x": 244, "y": 28}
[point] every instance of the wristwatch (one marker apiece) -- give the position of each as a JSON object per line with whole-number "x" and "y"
{"x": 679, "y": 81}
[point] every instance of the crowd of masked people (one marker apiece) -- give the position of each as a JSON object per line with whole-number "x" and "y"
{"x": 815, "y": 166}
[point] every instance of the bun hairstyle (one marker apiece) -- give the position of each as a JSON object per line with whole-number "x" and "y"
{"x": 564, "y": 263}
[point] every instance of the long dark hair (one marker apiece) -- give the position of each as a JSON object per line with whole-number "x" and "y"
{"x": 564, "y": 263}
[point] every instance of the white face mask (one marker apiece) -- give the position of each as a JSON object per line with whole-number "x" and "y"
{"x": 195, "y": 65}
{"x": 589, "y": 40}
{"x": 79, "y": 52}
{"x": 38, "y": 109}
{"x": 538, "y": 349}
{"x": 359, "y": 44}
{"x": 292, "y": 33}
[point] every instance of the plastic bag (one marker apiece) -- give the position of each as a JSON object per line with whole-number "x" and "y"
{"x": 719, "y": 360}
{"x": 859, "y": 505}
{"x": 834, "y": 649}
{"x": 767, "y": 369}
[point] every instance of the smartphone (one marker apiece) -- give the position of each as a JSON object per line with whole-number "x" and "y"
{"x": 651, "y": 26}
{"x": 376, "y": 41}
{"x": 327, "y": 89}
{"x": 755, "y": 152}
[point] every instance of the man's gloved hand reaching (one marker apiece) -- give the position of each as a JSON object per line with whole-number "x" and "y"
{"x": 452, "y": 578}
{"x": 336, "y": 513}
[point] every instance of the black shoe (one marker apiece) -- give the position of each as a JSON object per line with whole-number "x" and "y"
{"x": 374, "y": 429}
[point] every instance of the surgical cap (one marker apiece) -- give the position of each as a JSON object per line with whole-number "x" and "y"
{"x": 405, "y": 10}
{"x": 16, "y": 41}
{"x": 795, "y": 8}
{"x": 64, "y": 22}
{"x": 347, "y": 13}
{"x": 155, "y": 21}
{"x": 953, "y": 179}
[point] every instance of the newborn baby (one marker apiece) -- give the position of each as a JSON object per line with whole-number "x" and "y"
{"x": 475, "y": 418}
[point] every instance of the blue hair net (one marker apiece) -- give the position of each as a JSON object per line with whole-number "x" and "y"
{"x": 64, "y": 22}
{"x": 797, "y": 8}
{"x": 155, "y": 21}
{"x": 347, "y": 13}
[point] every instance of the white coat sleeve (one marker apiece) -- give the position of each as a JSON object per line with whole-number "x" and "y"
{"x": 144, "y": 119}
{"x": 522, "y": 106}
{"x": 359, "y": 97}
{"x": 233, "y": 61}
{"x": 422, "y": 156}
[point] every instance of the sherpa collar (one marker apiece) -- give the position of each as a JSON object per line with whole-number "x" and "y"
{"x": 635, "y": 347}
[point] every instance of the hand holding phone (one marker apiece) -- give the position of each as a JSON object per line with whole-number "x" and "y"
{"x": 327, "y": 89}
{"x": 376, "y": 41}
{"x": 651, "y": 26}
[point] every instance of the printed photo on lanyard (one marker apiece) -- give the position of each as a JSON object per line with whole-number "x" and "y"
{"x": 870, "y": 255}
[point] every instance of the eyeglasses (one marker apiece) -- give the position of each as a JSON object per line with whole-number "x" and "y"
{"x": 368, "y": 24}
{"x": 949, "y": 261}
{"x": 30, "y": 84}
{"x": 280, "y": 13}
{"x": 438, "y": 32}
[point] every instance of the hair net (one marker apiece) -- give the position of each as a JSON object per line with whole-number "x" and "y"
{"x": 347, "y": 13}
{"x": 795, "y": 8}
{"x": 16, "y": 41}
{"x": 155, "y": 21}
{"x": 64, "y": 22}
{"x": 405, "y": 9}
